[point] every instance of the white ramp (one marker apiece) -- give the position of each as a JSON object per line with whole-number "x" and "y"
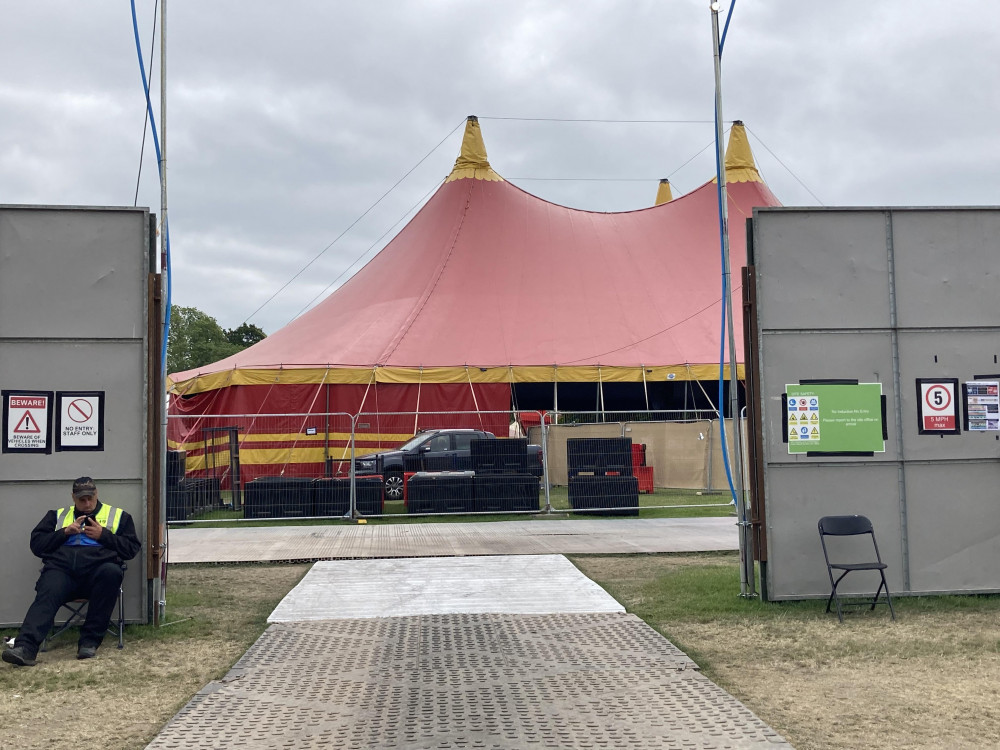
{"x": 508, "y": 584}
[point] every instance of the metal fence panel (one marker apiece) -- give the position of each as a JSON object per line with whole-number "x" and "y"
{"x": 249, "y": 467}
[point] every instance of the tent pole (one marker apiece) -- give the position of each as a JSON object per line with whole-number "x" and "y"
{"x": 327, "y": 467}
{"x": 416, "y": 416}
{"x": 645, "y": 390}
{"x": 600, "y": 390}
{"x": 555, "y": 390}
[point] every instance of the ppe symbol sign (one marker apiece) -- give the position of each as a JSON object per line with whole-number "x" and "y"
{"x": 26, "y": 419}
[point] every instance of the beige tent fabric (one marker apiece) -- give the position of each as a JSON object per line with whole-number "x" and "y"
{"x": 684, "y": 455}
{"x": 677, "y": 451}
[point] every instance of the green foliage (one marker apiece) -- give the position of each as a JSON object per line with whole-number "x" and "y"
{"x": 197, "y": 339}
{"x": 245, "y": 335}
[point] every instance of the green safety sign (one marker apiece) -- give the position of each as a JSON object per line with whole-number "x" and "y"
{"x": 834, "y": 418}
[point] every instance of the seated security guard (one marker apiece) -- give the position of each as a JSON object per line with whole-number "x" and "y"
{"x": 82, "y": 547}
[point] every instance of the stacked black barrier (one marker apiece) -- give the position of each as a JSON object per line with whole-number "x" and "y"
{"x": 332, "y": 497}
{"x": 278, "y": 497}
{"x": 505, "y": 493}
{"x": 600, "y": 476}
{"x": 440, "y": 492}
{"x": 201, "y": 494}
{"x": 502, "y": 483}
{"x": 503, "y": 456}
{"x": 599, "y": 456}
{"x": 177, "y": 507}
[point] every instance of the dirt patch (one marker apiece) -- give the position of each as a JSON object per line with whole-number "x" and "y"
{"x": 929, "y": 680}
{"x": 217, "y": 613}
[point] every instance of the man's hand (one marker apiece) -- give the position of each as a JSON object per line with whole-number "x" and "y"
{"x": 93, "y": 529}
{"x": 74, "y": 528}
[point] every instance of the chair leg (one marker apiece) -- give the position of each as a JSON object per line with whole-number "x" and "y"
{"x": 835, "y": 596}
{"x": 74, "y": 619}
{"x": 888, "y": 598}
{"x": 121, "y": 619}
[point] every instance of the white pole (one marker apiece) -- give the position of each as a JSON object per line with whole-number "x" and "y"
{"x": 160, "y": 574}
{"x": 736, "y": 460}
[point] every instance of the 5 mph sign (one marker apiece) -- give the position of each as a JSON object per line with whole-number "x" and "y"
{"x": 937, "y": 406}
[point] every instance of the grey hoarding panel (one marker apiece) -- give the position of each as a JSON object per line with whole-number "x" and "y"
{"x": 937, "y": 269}
{"x": 789, "y": 357}
{"x": 24, "y": 504}
{"x": 73, "y": 317}
{"x": 821, "y": 269}
{"x": 75, "y": 270}
{"x": 798, "y": 496}
{"x": 960, "y": 354}
{"x": 103, "y": 366}
{"x": 947, "y": 268}
{"x": 954, "y": 526}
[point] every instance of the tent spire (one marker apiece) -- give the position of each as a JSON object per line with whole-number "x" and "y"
{"x": 472, "y": 161}
{"x": 740, "y": 166}
{"x": 663, "y": 192}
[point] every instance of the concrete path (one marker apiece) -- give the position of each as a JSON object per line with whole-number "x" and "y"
{"x": 584, "y": 536}
{"x": 461, "y": 670}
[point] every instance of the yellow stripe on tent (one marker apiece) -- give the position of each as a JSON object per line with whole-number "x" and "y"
{"x": 465, "y": 375}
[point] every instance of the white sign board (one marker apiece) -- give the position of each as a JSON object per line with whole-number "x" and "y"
{"x": 80, "y": 421}
{"x": 26, "y": 418}
{"x": 982, "y": 405}
{"x": 937, "y": 406}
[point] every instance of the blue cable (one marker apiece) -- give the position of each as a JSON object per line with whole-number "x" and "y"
{"x": 159, "y": 167}
{"x": 725, "y": 293}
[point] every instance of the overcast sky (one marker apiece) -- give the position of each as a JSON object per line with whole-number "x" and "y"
{"x": 286, "y": 121}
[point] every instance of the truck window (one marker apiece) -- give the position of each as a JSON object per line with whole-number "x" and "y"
{"x": 463, "y": 442}
{"x": 438, "y": 443}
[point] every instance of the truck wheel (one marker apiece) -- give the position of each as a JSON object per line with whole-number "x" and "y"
{"x": 393, "y": 486}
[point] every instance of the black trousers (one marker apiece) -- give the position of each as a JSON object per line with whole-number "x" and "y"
{"x": 55, "y": 587}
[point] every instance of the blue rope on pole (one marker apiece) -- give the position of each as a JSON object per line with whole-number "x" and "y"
{"x": 725, "y": 292}
{"x": 159, "y": 167}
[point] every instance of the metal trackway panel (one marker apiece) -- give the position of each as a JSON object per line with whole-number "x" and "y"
{"x": 582, "y": 536}
{"x": 466, "y": 681}
{"x": 507, "y": 584}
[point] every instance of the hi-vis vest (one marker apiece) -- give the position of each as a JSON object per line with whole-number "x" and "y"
{"x": 107, "y": 516}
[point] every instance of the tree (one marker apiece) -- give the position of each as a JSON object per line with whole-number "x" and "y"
{"x": 245, "y": 335}
{"x": 197, "y": 339}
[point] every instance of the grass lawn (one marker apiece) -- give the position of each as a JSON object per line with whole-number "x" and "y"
{"x": 663, "y": 503}
{"x": 929, "y": 680}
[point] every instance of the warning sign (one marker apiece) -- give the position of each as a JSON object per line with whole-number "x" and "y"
{"x": 937, "y": 406}
{"x": 80, "y": 421}
{"x": 27, "y": 416}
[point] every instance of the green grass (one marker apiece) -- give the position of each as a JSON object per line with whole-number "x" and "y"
{"x": 708, "y": 591}
{"x": 663, "y": 503}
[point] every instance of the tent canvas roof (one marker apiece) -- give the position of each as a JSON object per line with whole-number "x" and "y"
{"x": 489, "y": 277}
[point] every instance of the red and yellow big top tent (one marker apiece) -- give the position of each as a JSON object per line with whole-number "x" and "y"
{"x": 486, "y": 288}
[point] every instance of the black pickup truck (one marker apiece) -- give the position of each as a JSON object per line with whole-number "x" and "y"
{"x": 433, "y": 450}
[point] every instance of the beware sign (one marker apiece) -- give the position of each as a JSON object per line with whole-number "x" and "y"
{"x": 80, "y": 421}
{"x": 27, "y": 417}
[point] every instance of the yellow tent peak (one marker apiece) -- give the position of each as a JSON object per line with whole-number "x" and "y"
{"x": 740, "y": 166}
{"x": 663, "y": 192}
{"x": 472, "y": 162}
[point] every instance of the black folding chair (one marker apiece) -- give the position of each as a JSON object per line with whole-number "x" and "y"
{"x": 76, "y": 614}
{"x": 843, "y": 526}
